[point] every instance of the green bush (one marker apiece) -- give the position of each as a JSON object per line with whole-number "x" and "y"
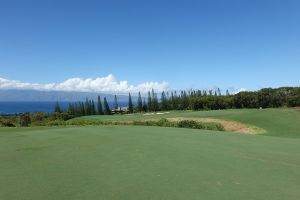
{"x": 39, "y": 119}
{"x": 56, "y": 123}
{"x": 161, "y": 122}
{"x": 200, "y": 125}
{"x": 25, "y": 119}
{"x": 7, "y": 123}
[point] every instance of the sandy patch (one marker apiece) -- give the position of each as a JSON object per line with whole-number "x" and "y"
{"x": 231, "y": 126}
{"x": 158, "y": 113}
{"x": 148, "y": 114}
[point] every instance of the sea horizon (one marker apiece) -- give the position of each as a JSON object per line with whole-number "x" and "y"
{"x": 16, "y": 107}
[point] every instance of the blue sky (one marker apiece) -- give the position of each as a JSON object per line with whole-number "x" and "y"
{"x": 199, "y": 44}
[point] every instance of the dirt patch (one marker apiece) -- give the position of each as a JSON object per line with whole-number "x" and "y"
{"x": 231, "y": 126}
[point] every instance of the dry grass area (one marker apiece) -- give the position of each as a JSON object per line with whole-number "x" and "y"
{"x": 297, "y": 108}
{"x": 231, "y": 126}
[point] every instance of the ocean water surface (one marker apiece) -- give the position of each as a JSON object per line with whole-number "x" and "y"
{"x": 48, "y": 107}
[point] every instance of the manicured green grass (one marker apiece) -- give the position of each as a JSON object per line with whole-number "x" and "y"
{"x": 132, "y": 162}
{"x": 277, "y": 122}
{"x": 138, "y": 162}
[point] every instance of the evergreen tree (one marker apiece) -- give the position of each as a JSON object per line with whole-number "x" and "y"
{"x": 87, "y": 107}
{"x": 71, "y": 109}
{"x": 130, "y": 105}
{"x": 93, "y": 112}
{"x": 99, "y": 106}
{"x": 219, "y": 92}
{"x": 116, "y": 103}
{"x": 82, "y": 109}
{"x": 154, "y": 100}
{"x": 199, "y": 93}
{"x": 149, "y": 102}
{"x": 57, "y": 108}
{"x": 145, "y": 106}
{"x": 164, "y": 101}
{"x": 175, "y": 101}
{"x": 185, "y": 101}
{"x": 139, "y": 103}
{"x": 107, "y": 110}
{"x": 227, "y": 93}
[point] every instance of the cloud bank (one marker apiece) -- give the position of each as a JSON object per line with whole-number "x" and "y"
{"x": 100, "y": 84}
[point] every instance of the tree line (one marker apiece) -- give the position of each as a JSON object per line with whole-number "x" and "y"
{"x": 190, "y": 100}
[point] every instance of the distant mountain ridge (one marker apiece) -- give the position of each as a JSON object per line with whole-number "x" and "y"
{"x": 13, "y": 95}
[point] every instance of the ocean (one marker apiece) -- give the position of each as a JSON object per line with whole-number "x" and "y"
{"x": 48, "y": 107}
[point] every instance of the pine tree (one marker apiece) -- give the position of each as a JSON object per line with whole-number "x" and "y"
{"x": 93, "y": 108}
{"x": 219, "y": 92}
{"x": 145, "y": 106}
{"x": 149, "y": 102}
{"x": 87, "y": 107}
{"x": 185, "y": 101}
{"x": 82, "y": 109}
{"x": 154, "y": 101}
{"x": 116, "y": 103}
{"x": 107, "y": 110}
{"x": 139, "y": 103}
{"x": 57, "y": 108}
{"x": 99, "y": 106}
{"x": 164, "y": 103}
{"x": 175, "y": 101}
{"x": 130, "y": 105}
{"x": 71, "y": 109}
{"x": 227, "y": 93}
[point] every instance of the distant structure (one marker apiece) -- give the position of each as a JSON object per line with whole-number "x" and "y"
{"x": 120, "y": 110}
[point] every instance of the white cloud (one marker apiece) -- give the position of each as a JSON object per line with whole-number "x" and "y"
{"x": 239, "y": 90}
{"x": 100, "y": 84}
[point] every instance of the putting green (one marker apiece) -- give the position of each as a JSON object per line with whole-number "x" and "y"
{"x": 132, "y": 162}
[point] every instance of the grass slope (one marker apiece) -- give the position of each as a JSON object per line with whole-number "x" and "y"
{"x": 132, "y": 162}
{"x": 277, "y": 122}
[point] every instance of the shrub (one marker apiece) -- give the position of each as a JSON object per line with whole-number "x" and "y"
{"x": 165, "y": 122}
{"x": 39, "y": 119}
{"x": 7, "y": 123}
{"x": 162, "y": 122}
{"x": 62, "y": 116}
{"x": 56, "y": 123}
{"x": 200, "y": 125}
{"x": 25, "y": 119}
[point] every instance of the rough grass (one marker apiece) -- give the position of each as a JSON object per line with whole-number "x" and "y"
{"x": 138, "y": 162}
{"x": 272, "y": 122}
{"x": 161, "y": 122}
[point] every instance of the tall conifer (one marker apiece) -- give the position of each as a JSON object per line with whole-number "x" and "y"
{"x": 130, "y": 105}
{"x": 139, "y": 103}
{"x": 99, "y": 106}
{"x": 107, "y": 110}
{"x": 116, "y": 102}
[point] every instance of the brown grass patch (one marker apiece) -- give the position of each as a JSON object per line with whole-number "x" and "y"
{"x": 297, "y": 108}
{"x": 231, "y": 126}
